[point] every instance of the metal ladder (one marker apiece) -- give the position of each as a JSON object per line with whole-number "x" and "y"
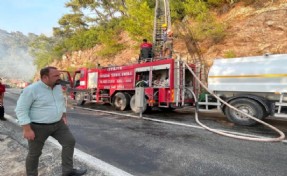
{"x": 281, "y": 104}
{"x": 162, "y": 16}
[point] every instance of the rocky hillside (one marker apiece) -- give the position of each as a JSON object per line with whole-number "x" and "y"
{"x": 251, "y": 30}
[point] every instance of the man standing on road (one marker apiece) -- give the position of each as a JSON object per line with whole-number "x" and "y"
{"x": 41, "y": 112}
{"x": 2, "y": 90}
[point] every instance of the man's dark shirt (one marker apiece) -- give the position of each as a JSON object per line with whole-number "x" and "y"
{"x": 146, "y": 50}
{"x": 2, "y": 88}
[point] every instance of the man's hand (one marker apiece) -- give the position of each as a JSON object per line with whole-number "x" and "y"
{"x": 28, "y": 133}
{"x": 64, "y": 118}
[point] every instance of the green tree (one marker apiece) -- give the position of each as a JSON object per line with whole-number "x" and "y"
{"x": 69, "y": 24}
{"x": 108, "y": 35}
{"x": 42, "y": 49}
{"x": 139, "y": 19}
{"x": 177, "y": 9}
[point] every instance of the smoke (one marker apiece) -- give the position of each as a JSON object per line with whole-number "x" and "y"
{"x": 15, "y": 61}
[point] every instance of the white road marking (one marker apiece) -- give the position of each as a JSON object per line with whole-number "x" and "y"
{"x": 174, "y": 123}
{"x": 94, "y": 162}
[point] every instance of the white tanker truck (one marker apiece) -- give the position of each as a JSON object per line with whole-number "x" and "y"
{"x": 255, "y": 85}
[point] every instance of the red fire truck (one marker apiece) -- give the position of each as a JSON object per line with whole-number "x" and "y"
{"x": 167, "y": 84}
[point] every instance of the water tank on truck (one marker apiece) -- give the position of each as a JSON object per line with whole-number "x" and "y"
{"x": 255, "y": 85}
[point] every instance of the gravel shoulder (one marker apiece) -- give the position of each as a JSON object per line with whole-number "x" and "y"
{"x": 13, "y": 151}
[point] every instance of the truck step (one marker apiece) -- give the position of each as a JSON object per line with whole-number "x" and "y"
{"x": 209, "y": 103}
{"x": 280, "y": 115}
{"x": 163, "y": 106}
{"x": 280, "y": 104}
{"x": 209, "y": 110}
{"x": 105, "y": 96}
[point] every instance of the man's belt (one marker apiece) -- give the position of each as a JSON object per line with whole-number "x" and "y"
{"x": 35, "y": 123}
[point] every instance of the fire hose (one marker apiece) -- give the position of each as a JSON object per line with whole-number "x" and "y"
{"x": 261, "y": 139}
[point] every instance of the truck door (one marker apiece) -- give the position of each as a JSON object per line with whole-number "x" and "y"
{"x": 66, "y": 82}
{"x": 80, "y": 79}
{"x": 66, "y": 79}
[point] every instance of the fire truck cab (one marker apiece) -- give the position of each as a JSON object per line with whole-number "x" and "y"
{"x": 167, "y": 85}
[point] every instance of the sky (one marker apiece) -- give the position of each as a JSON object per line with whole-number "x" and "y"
{"x": 31, "y": 16}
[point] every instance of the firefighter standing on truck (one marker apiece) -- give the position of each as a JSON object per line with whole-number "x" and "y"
{"x": 168, "y": 44}
{"x": 145, "y": 50}
{"x": 167, "y": 39}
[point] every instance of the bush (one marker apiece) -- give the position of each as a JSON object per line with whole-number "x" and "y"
{"x": 216, "y": 2}
{"x": 208, "y": 29}
{"x": 229, "y": 54}
{"x": 82, "y": 40}
{"x": 205, "y": 25}
{"x": 217, "y": 33}
{"x": 111, "y": 50}
{"x": 109, "y": 37}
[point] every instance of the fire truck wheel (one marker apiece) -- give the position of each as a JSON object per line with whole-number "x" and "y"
{"x": 121, "y": 101}
{"x": 79, "y": 97}
{"x": 128, "y": 96}
{"x": 133, "y": 105}
{"x": 248, "y": 106}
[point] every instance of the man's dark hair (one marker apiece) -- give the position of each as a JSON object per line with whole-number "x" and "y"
{"x": 144, "y": 40}
{"x": 46, "y": 71}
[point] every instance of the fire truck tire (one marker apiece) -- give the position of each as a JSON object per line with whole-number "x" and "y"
{"x": 248, "y": 106}
{"x": 79, "y": 97}
{"x": 133, "y": 105}
{"x": 121, "y": 101}
{"x": 128, "y": 96}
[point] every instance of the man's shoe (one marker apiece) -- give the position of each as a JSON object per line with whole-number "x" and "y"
{"x": 2, "y": 118}
{"x": 78, "y": 172}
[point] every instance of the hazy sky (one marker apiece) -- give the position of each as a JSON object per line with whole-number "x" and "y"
{"x": 35, "y": 16}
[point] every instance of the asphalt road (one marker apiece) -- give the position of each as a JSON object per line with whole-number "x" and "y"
{"x": 143, "y": 147}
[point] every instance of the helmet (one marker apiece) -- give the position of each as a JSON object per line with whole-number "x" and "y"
{"x": 164, "y": 25}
